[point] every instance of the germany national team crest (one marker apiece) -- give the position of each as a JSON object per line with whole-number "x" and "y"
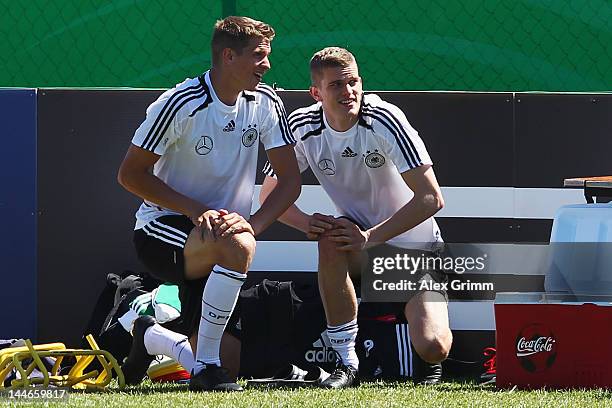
{"x": 249, "y": 135}
{"x": 374, "y": 159}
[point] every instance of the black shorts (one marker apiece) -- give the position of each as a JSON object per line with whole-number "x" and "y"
{"x": 420, "y": 275}
{"x": 159, "y": 246}
{"x": 386, "y": 250}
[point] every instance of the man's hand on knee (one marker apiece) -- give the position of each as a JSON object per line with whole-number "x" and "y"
{"x": 319, "y": 224}
{"x": 206, "y": 222}
{"x": 232, "y": 223}
{"x": 348, "y": 236}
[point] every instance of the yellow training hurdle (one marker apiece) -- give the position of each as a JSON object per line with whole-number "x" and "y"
{"x": 13, "y": 358}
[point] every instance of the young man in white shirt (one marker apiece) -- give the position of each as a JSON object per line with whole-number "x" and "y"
{"x": 376, "y": 170}
{"x": 193, "y": 162}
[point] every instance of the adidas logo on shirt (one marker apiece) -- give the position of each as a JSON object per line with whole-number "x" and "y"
{"x": 230, "y": 126}
{"x": 348, "y": 152}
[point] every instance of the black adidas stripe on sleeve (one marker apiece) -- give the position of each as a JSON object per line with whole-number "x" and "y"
{"x": 283, "y": 124}
{"x": 392, "y": 124}
{"x": 167, "y": 113}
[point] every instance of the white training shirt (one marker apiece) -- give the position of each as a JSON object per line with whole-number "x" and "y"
{"x": 360, "y": 169}
{"x": 208, "y": 149}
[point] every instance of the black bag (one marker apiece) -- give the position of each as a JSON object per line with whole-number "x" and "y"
{"x": 277, "y": 326}
{"x": 116, "y": 287}
{"x": 112, "y": 303}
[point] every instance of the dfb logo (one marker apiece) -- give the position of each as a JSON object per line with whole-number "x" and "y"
{"x": 536, "y": 348}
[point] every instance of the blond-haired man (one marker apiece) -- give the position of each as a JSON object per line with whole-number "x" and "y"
{"x": 193, "y": 162}
{"x": 376, "y": 170}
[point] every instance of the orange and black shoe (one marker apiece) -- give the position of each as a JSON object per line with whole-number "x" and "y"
{"x": 490, "y": 365}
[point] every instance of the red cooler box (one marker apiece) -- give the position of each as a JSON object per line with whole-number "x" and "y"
{"x": 553, "y": 341}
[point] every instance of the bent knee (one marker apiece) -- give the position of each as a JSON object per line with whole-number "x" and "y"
{"x": 328, "y": 248}
{"x": 244, "y": 242}
{"x": 238, "y": 252}
{"x": 436, "y": 349}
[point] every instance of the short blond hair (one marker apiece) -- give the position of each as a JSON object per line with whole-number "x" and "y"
{"x": 236, "y": 32}
{"x": 330, "y": 57}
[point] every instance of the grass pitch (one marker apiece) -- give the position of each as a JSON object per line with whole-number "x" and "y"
{"x": 376, "y": 394}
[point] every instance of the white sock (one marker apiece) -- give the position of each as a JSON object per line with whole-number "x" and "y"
{"x": 342, "y": 338}
{"x": 161, "y": 341}
{"x": 218, "y": 301}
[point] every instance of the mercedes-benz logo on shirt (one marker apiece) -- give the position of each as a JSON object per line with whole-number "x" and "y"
{"x": 204, "y": 146}
{"x": 327, "y": 167}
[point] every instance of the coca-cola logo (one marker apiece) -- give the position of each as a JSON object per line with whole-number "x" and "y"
{"x": 536, "y": 348}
